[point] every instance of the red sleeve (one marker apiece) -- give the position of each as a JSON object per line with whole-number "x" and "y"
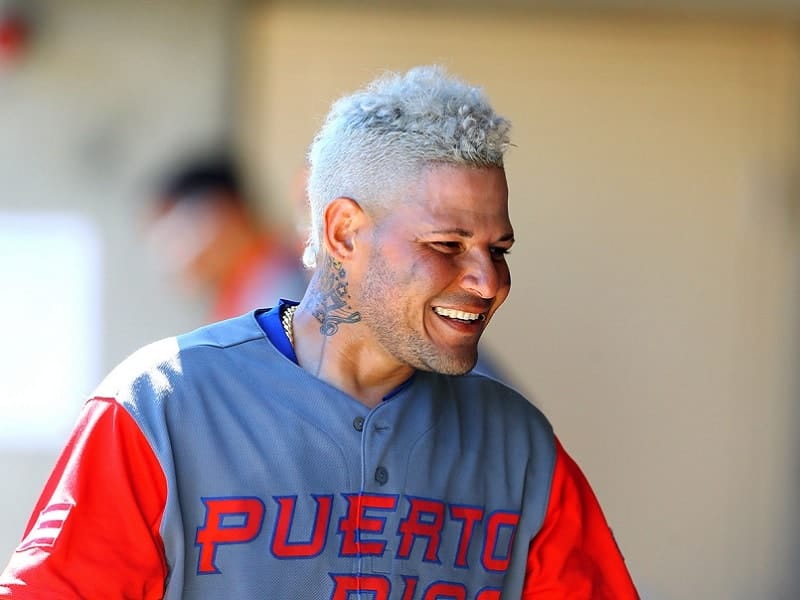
{"x": 574, "y": 556}
{"x": 95, "y": 531}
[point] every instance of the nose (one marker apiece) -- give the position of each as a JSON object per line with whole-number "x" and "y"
{"x": 481, "y": 274}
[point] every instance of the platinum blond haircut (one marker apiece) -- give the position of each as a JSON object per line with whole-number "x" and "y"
{"x": 375, "y": 142}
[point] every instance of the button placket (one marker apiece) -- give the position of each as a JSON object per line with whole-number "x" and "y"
{"x": 375, "y": 442}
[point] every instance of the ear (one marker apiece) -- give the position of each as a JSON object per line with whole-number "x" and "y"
{"x": 344, "y": 217}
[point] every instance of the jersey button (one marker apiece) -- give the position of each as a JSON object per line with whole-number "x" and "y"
{"x": 358, "y": 423}
{"x": 381, "y": 475}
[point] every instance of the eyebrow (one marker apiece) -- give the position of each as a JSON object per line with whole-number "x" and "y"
{"x": 455, "y": 231}
{"x": 468, "y": 234}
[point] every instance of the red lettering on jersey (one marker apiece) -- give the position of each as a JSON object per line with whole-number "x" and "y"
{"x": 425, "y": 520}
{"x": 355, "y": 522}
{"x": 282, "y": 547}
{"x": 444, "y": 590}
{"x": 488, "y": 594}
{"x": 410, "y": 587}
{"x": 344, "y": 585}
{"x": 249, "y": 513}
{"x": 496, "y": 523}
{"x": 470, "y": 515}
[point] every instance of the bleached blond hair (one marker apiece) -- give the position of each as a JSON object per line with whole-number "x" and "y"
{"x": 375, "y": 142}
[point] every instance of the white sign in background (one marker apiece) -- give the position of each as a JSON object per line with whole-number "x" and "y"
{"x": 50, "y": 302}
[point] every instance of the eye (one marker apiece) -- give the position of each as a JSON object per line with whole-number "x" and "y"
{"x": 498, "y": 252}
{"x": 447, "y": 247}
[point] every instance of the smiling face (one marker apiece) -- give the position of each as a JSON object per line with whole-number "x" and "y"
{"x": 436, "y": 271}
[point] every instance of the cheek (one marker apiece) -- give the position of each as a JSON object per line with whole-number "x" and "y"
{"x": 425, "y": 269}
{"x": 434, "y": 277}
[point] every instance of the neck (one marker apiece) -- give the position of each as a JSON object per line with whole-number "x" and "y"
{"x": 333, "y": 344}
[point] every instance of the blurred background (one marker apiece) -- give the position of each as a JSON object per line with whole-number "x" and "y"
{"x": 654, "y": 193}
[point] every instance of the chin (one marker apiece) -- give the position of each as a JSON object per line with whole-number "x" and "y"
{"x": 448, "y": 365}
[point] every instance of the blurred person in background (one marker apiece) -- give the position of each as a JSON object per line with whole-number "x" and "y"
{"x": 208, "y": 234}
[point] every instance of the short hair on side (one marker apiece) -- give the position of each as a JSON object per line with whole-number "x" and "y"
{"x": 375, "y": 142}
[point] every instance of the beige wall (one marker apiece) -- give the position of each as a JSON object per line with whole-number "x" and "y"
{"x": 653, "y": 312}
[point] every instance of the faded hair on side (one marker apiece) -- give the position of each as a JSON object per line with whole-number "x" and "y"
{"x": 375, "y": 142}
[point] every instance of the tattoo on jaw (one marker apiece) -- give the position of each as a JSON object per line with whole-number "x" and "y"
{"x": 332, "y": 296}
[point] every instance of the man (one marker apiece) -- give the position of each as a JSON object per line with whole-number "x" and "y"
{"x": 208, "y": 235}
{"x": 334, "y": 449}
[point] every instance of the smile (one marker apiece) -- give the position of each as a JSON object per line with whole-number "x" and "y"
{"x": 461, "y": 315}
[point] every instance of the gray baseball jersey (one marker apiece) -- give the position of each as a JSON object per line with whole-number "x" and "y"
{"x": 212, "y": 466}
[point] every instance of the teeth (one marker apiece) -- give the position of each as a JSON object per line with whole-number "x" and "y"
{"x": 458, "y": 314}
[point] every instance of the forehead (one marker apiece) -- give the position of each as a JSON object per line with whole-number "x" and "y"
{"x": 460, "y": 195}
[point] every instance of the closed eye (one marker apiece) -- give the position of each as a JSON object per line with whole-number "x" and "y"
{"x": 447, "y": 247}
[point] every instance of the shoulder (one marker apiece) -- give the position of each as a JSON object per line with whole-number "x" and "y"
{"x": 158, "y": 368}
{"x": 158, "y": 383}
{"x": 491, "y": 404}
{"x": 222, "y": 334}
{"x": 479, "y": 388}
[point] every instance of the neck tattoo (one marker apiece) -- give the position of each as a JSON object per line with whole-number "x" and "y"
{"x": 287, "y": 320}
